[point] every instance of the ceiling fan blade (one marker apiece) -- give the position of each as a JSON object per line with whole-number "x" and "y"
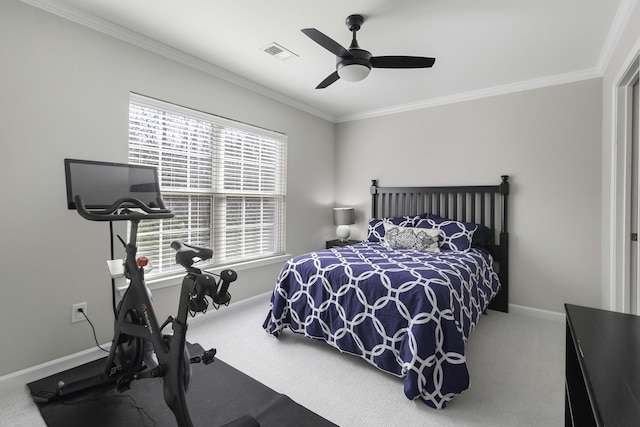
{"x": 327, "y": 43}
{"x": 401, "y": 62}
{"x": 331, "y": 78}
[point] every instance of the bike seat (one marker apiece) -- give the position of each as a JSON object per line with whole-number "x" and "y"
{"x": 186, "y": 254}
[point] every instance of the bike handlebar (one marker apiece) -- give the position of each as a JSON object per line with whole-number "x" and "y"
{"x": 109, "y": 213}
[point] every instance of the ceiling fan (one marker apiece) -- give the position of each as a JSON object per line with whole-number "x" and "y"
{"x": 354, "y": 64}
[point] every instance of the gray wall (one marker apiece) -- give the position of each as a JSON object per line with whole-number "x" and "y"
{"x": 64, "y": 93}
{"x": 548, "y": 141}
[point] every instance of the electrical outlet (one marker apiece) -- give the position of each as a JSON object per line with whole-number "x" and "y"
{"x": 76, "y": 315}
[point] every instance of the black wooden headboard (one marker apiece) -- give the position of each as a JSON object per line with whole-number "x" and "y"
{"x": 481, "y": 204}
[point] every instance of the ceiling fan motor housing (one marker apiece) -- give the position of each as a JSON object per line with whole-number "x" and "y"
{"x": 359, "y": 56}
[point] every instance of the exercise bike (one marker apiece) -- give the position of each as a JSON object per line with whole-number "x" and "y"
{"x": 139, "y": 348}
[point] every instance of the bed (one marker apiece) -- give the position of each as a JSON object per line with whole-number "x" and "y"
{"x": 407, "y": 298}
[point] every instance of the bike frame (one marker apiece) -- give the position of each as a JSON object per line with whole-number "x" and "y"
{"x": 170, "y": 354}
{"x": 136, "y": 318}
{"x": 137, "y": 332}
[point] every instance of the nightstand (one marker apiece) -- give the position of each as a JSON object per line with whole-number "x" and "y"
{"x": 337, "y": 243}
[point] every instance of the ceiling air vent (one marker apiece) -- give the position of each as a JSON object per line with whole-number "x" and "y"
{"x": 277, "y": 51}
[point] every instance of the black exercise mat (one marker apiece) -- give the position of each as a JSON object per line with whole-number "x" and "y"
{"x": 217, "y": 394}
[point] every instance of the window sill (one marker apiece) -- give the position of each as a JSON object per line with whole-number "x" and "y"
{"x": 176, "y": 279}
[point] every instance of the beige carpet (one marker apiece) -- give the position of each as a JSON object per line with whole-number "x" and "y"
{"x": 516, "y": 364}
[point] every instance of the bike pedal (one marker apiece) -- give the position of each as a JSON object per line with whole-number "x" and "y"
{"x": 208, "y": 356}
{"x": 124, "y": 383}
{"x": 158, "y": 371}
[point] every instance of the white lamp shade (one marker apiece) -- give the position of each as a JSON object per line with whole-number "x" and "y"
{"x": 353, "y": 72}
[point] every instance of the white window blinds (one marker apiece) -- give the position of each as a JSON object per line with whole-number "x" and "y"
{"x": 225, "y": 182}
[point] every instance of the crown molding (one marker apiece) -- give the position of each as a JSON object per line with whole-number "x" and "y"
{"x": 111, "y": 29}
{"x": 613, "y": 38}
{"x": 615, "y": 33}
{"x": 478, "y": 94}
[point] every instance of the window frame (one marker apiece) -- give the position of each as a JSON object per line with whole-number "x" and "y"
{"x": 275, "y": 169}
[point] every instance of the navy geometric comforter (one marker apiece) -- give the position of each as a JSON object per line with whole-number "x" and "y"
{"x": 407, "y": 312}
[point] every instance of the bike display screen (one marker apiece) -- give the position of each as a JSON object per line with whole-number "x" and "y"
{"x": 100, "y": 184}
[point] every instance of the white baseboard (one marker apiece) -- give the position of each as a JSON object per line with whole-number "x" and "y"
{"x": 536, "y": 312}
{"x": 57, "y": 365}
{"x": 263, "y": 298}
{"x": 67, "y": 362}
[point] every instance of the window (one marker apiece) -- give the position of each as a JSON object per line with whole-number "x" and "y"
{"x": 225, "y": 182}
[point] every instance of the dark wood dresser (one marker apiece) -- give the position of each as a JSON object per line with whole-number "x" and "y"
{"x": 602, "y": 368}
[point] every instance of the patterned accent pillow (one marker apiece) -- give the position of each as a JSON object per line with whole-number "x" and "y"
{"x": 417, "y": 239}
{"x": 375, "y": 231}
{"x": 456, "y": 236}
{"x": 481, "y": 237}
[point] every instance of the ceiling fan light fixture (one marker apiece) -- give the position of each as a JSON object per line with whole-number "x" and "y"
{"x": 353, "y": 72}
{"x": 354, "y": 64}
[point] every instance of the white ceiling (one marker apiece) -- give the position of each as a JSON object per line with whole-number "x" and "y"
{"x": 481, "y": 46}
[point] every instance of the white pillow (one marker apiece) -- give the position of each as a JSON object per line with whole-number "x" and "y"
{"x": 418, "y": 239}
{"x": 456, "y": 236}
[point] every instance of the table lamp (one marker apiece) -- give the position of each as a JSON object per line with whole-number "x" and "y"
{"x": 343, "y": 217}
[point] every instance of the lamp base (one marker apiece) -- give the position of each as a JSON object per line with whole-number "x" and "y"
{"x": 343, "y": 232}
